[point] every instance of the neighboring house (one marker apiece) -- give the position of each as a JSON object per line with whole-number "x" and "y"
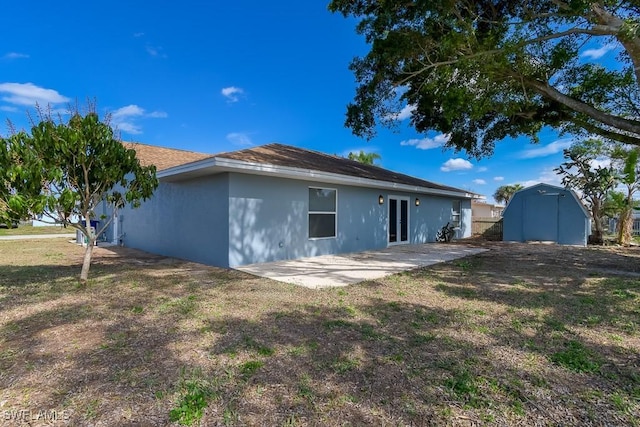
{"x": 481, "y": 209}
{"x": 278, "y": 202}
{"x": 546, "y": 212}
{"x": 613, "y": 223}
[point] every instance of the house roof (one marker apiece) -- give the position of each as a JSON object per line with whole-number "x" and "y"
{"x": 286, "y": 155}
{"x": 161, "y": 157}
{"x": 284, "y": 161}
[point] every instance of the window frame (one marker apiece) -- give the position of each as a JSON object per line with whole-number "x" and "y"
{"x": 457, "y": 223}
{"x": 310, "y": 212}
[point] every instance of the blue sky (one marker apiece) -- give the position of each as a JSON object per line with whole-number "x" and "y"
{"x": 230, "y": 75}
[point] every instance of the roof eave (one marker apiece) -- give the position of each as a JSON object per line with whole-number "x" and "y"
{"x": 213, "y": 165}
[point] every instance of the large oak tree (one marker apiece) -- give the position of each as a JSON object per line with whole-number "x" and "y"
{"x": 483, "y": 70}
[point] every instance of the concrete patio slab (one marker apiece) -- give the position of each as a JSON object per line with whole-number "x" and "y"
{"x": 345, "y": 269}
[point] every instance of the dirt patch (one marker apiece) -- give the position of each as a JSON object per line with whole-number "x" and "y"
{"x": 520, "y": 335}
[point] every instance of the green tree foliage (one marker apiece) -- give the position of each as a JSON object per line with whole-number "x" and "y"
{"x": 504, "y": 193}
{"x": 483, "y": 70}
{"x": 63, "y": 171}
{"x": 593, "y": 183}
{"x": 362, "y": 157}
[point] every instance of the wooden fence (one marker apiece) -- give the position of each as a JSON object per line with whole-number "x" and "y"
{"x": 489, "y": 228}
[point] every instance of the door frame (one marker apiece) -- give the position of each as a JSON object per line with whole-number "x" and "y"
{"x": 398, "y": 199}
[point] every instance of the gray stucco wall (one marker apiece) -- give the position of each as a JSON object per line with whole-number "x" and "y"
{"x": 268, "y": 219}
{"x": 432, "y": 214}
{"x": 186, "y": 219}
{"x": 545, "y": 213}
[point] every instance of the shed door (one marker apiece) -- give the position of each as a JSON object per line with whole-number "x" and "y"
{"x": 540, "y": 218}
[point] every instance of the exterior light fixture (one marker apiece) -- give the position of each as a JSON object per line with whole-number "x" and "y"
{"x": 417, "y": 202}
{"x": 380, "y": 199}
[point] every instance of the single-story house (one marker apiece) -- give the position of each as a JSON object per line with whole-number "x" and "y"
{"x": 278, "y": 202}
{"x": 546, "y": 213}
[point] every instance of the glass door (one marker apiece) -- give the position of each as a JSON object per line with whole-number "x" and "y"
{"x": 398, "y": 220}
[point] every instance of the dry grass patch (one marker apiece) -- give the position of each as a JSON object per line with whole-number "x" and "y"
{"x": 522, "y": 334}
{"x": 31, "y": 230}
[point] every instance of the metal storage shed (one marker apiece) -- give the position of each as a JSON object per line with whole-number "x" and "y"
{"x": 546, "y": 213}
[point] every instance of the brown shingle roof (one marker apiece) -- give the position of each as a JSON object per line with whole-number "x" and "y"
{"x": 281, "y": 155}
{"x": 286, "y": 155}
{"x": 161, "y": 157}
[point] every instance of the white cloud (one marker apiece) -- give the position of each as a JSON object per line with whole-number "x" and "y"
{"x": 9, "y": 109}
{"x": 456, "y": 165}
{"x": 231, "y": 93}
{"x": 155, "y": 51}
{"x": 125, "y": 118}
{"x": 128, "y": 111}
{"x": 138, "y": 34}
{"x": 15, "y": 55}
{"x": 28, "y": 94}
{"x": 239, "y": 138}
{"x": 479, "y": 181}
{"x": 482, "y": 169}
{"x": 404, "y": 114}
{"x": 598, "y": 53}
{"x": 427, "y": 143}
{"x": 546, "y": 150}
{"x": 158, "y": 115}
{"x": 600, "y": 163}
{"x": 498, "y": 178}
{"x": 547, "y": 176}
{"x": 128, "y": 127}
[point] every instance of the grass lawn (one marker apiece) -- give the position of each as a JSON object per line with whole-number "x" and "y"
{"x": 29, "y": 229}
{"x": 519, "y": 335}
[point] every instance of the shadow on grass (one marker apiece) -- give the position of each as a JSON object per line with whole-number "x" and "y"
{"x": 450, "y": 344}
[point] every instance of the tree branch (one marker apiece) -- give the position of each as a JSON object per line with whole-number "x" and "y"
{"x": 631, "y": 44}
{"x": 581, "y": 107}
{"x": 615, "y": 136}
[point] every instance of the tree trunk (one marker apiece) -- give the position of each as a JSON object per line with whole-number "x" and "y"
{"x": 625, "y": 227}
{"x": 86, "y": 263}
{"x": 598, "y": 233}
{"x": 631, "y": 43}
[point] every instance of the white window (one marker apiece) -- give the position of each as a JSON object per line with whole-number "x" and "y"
{"x": 455, "y": 213}
{"x": 323, "y": 206}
